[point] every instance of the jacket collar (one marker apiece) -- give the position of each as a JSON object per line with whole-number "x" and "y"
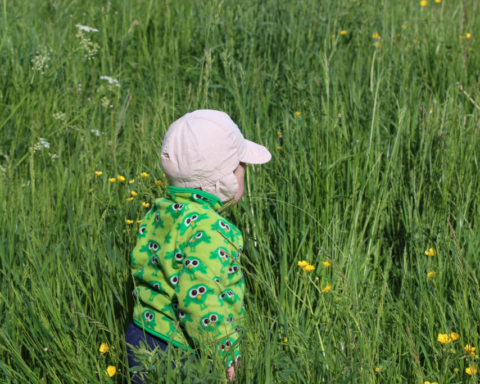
{"x": 185, "y": 195}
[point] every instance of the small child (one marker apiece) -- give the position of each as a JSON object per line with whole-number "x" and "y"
{"x": 188, "y": 282}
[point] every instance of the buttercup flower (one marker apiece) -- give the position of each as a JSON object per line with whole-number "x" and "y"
{"x": 423, "y": 3}
{"x": 438, "y": 1}
{"x": 377, "y": 369}
{"x": 164, "y": 176}
{"x": 128, "y": 222}
{"x": 343, "y": 33}
{"x": 103, "y": 348}
{"x": 130, "y": 199}
{"x": 121, "y": 178}
{"x": 111, "y": 370}
{"x": 431, "y": 274}
{"x": 326, "y": 264}
{"x": 469, "y": 350}
{"x": 444, "y": 339}
{"x": 309, "y": 268}
{"x": 404, "y": 27}
{"x": 98, "y": 173}
{"x": 131, "y": 181}
{"x": 139, "y": 221}
{"x": 431, "y": 252}
{"x": 285, "y": 340}
{"x": 298, "y": 113}
{"x": 468, "y": 35}
{"x": 376, "y": 35}
{"x": 302, "y": 264}
{"x": 327, "y": 288}
{"x": 143, "y": 174}
{"x": 133, "y": 193}
{"x": 90, "y": 190}
{"x": 158, "y": 183}
{"x": 456, "y": 370}
{"x": 279, "y": 148}
{"x": 112, "y": 180}
{"x": 279, "y": 133}
{"x": 454, "y": 336}
{"x": 145, "y": 204}
{"x": 471, "y": 371}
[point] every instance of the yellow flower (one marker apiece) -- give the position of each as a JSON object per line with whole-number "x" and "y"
{"x": 456, "y": 370}
{"x": 377, "y": 44}
{"x": 431, "y": 274}
{"x": 431, "y": 252}
{"x": 423, "y": 3}
{"x": 112, "y": 180}
{"x": 343, "y": 33}
{"x": 139, "y": 221}
{"x": 158, "y": 183}
{"x": 427, "y": 382}
{"x": 302, "y": 264}
{"x": 145, "y": 204}
{"x": 279, "y": 148}
{"x": 444, "y": 339}
{"x": 469, "y": 350}
{"x": 98, "y": 173}
{"x": 327, "y": 288}
{"x": 326, "y": 264}
{"x": 454, "y": 336}
{"x": 143, "y": 174}
{"x": 279, "y": 133}
{"x": 297, "y": 113}
{"x": 130, "y": 199}
{"x": 468, "y": 35}
{"x": 103, "y": 348}
{"x": 90, "y": 190}
{"x": 404, "y": 27}
{"x": 120, "y": 178}
{"x": 111, "y": 370}
{"x": 128, "y": 222}
{"x": 285, "y": 340}
{"x": 164, "y": 176}
{"x": 471, "y": 371}
{"x": 131, "y": 181}
{"x": 309, "y": 268}
{"x": 133, "y": 193}
{"x": 396, "y": 36}
{"x": 377, "y": 369}
{"x": 334, "y": 36}
{"x": 376, "y": 35}
{"x": 438, "y": 1}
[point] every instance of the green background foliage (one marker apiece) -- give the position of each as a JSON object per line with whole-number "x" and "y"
{"x": 380, "y": 165}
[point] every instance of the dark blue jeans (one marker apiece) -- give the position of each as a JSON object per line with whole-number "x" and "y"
{"x": 134, "y": 335}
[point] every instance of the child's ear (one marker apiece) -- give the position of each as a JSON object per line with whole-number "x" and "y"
{"x": 224, "y": 189}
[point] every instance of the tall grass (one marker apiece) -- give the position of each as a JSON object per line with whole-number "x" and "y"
{"x": 379, "y": 165}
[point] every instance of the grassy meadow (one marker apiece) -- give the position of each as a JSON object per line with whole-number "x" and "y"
{"x": 375, "y": 141}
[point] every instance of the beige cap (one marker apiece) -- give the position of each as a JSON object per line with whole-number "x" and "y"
{"x": 203, "y": 148}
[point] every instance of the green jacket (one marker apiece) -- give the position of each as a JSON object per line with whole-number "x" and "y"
{"x": 188, "y": 282}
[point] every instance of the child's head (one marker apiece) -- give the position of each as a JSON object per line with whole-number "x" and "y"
{"x": 206, "y": 150}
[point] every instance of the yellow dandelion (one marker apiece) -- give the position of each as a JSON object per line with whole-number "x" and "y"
{"x": 326, "y": 264}
{"x": 128, "y": 222}
{"x": 454, "y": 336}
{"x": 98, "y": 173}
{"x": 471, "y": 371}
{"x": 309, "y": 268}
{"x": 469, "y": 350}
{"x": 431, "y": 252}
{"x": 423, "y": 3}
{"x": 130, "y": 199}
{"x": 103, "y": 348}
{"x": 404, "y": 27}
{"x": 112, "y": 180}
{"x": 131, "y": 181}
{"x": 145, "y": 204}
{"x": 327, "y": 288}
{"x": 133, "y": 193}
{"x": 120, "y": 178}
{"x": 343, "y": 33}
{"x": 279, "y": 148}
{"x": 469, "y": 35}
{"x": 158, "y": 183}
{"x": 444, "y": 339}
{"x": 431, "y": 274}
{"x": 143, "y": 174}
{"x": 111, "y": 370}
{"x": 302, "y": 264}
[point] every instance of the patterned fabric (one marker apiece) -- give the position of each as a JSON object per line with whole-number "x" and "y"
{"x": 188, "y": 282}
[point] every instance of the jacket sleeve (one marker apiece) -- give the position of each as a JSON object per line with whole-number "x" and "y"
{"x": 210, "y": 292}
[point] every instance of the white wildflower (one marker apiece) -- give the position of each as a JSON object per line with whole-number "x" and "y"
{"x": 97, "y": 132}
{"x": 40, "y": 60}
{"x": 41, "y": 144}
{"x": 85, "y": 28}
{"x": 59, "y": 116}
{"x": 53, "y": 156}
{"x": 90, "y": 47}
{"x": 110, "y": 80}
{"x": 105, "y": 102}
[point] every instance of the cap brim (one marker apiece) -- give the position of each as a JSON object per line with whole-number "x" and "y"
{"x": 255, "y": 154}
